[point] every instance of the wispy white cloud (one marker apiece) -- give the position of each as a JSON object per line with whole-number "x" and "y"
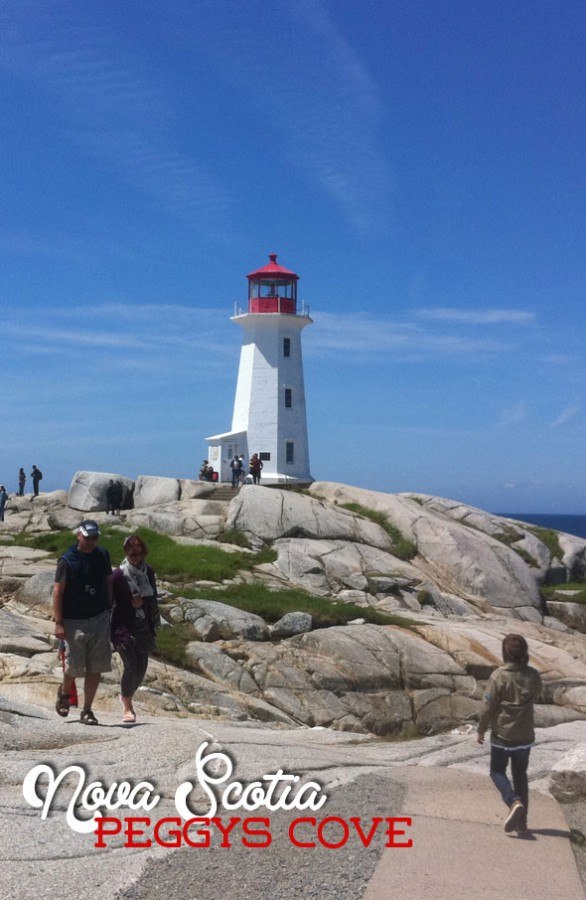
{"x": 315, "y": 94}
{"x": 60, "y": 246}
{"x": 140, "y": 332}
{"x": 513, "y": 415}
{"x": 67, "y": 336}
{"x": 114, "y": 109}
{"x": 559, "y": 359}
{"x": 566, "y": 414}
{"x": 362, "y": 335}
{"x": 350, "y": 68}
{"x": 476, "y": 316}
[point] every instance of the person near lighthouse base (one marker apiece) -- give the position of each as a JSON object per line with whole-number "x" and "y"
{"x": 236, "y": 466}
{"x": 255, "y": 467}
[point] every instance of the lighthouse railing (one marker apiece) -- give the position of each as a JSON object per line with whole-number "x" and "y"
{"x": 301, "y": 309}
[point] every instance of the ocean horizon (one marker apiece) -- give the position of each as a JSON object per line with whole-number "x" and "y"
{"x": 569, "y": 524}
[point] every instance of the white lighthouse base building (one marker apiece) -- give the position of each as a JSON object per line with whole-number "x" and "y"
{"x": 269, "y": 408}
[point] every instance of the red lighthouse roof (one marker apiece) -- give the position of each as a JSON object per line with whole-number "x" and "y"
{"x": 273, "y": 269}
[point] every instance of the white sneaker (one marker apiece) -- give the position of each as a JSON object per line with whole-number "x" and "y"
{"x": 515, "y": 816}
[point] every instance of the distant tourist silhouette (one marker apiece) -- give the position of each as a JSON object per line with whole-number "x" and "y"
{"x": 36, "y": 476}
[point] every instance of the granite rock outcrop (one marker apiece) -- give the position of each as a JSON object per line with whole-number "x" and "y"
{"x": 458, "y": 579}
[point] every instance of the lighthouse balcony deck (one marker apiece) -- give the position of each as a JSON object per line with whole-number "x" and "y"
{"x": 275, "y": 305}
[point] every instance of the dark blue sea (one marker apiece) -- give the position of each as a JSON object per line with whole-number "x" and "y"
{"x": 570, "y": 524}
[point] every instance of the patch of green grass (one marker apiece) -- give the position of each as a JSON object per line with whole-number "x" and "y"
{"x": 238, "y": 538}
{"x": 170, "y": 560}
{"x": 425, "y": 598}
{"x": 510, "y": 538}
{"x": 526, "y": 557}
{"x": 549, "y": 537}
{"x": 557, "y": 592}
{"x": 55, "y": 542}
{"x": 402, "y": 547}
{"x": 272, "y": 605}
{"x": 172, "y": 641}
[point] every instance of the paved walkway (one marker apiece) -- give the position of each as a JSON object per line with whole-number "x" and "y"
{"x": 460, "y": 850}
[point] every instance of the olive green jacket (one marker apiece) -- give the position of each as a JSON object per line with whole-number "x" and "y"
{"x": 508, "y": 705}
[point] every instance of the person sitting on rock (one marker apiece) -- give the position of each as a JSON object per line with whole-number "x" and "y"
{"x": 206, "y": 471}
{"x": 508, "y": 711}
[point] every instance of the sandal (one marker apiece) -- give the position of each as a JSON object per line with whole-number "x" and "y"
{"x": 129, "y": 717}
{"x": 87, "y": 717}
{"x": 62, "y": 703}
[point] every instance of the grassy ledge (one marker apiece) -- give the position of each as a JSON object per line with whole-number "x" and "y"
{"x": 402, "y": 547}
{"x": 272, "y": 605}
{"x": 549, "y": 537}
{"x": 559, "y": 592}
{"x": 510, "y": 538}
{"x": 171, "y": 561}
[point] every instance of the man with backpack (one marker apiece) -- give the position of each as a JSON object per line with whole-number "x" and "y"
{"x": 36, "y": 476}
{"x": 82, "y": 598}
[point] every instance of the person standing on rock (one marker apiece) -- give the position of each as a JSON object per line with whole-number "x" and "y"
{"x": 3, "y": 500}
{"x": 111, "y": 494}
{"x": 21, "y": 482}
{"x": 510, "y": 694}
{"x": 118, "y": 497}
{"x": 82, "y": 598}
{"x": 36, "y": 476}
{"x": 135, "y": 619}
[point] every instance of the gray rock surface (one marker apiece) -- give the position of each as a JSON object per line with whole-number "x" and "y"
{"x": 459, "y": 556}
{"x": 87, "y": 491}
{"x": 215, "y": 621}
{"x": 199, "y": 518}
{"x": 269, "y": 513}
{"x": 568, "y": 776}
{"x": 326, "y": 567}
{"x": 361, "y": 777}
{"x": 571, "y": 614}
{"x": 35, "y": 595}
{"x": 290, "y": 624}
{"x": 574, "y": 555}
{"x": 154, "y": 491}
{"x": 18, "y": 564}
{"x": 317, "y": 677}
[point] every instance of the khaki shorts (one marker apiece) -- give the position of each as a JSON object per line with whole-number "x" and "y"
{"x": 87, "y": 645}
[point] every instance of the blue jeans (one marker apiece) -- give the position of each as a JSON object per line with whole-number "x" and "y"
{"x": 499, "y": 759}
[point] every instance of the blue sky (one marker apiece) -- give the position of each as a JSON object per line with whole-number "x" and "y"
{"x": 419, "y": 164}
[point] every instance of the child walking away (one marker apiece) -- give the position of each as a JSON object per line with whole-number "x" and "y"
{"x": 508, "y": 711}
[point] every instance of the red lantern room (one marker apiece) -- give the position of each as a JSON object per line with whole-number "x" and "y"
{"x": 272, "y": 289}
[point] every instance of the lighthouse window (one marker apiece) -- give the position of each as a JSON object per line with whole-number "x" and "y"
{"x": 288, "y": 398}
{"x": 286, "y": 346}
{"x": 289, "y": 452}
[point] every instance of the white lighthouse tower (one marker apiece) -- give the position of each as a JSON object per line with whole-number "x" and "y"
{"x": 269, "y": 408}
